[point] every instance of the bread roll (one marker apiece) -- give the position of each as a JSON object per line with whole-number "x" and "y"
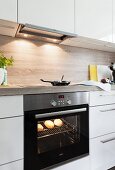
{"x": 58, "y": 122}
{"x": 40, "y": 127}
{"x": 49, "y": 124}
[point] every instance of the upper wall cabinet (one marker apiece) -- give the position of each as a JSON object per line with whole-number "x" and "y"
{"x": 8, "y": 10}
{"x": 113, "y": 21}
{"x": 93, "y": 19}
{"x": 54, "y": 14}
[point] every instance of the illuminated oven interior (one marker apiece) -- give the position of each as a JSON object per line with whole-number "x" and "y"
{"x": 57, "y": 133}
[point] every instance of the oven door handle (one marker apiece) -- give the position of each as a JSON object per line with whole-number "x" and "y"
{"x": 59, "y": 113}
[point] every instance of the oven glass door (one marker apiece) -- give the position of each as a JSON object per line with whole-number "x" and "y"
{"x": 55, "y": 136}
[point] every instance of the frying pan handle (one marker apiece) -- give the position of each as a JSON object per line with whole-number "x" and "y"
{"x": 62, "y": 77}
{"x": 45, "y": 81}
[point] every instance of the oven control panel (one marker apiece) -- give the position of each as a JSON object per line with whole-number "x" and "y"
{"x": 61, "y": 100}
{"x": 53, "y": 103}
{"x": 54, "y": 100}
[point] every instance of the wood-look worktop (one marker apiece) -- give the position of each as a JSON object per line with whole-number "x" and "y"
{"x": 21, "y": 90}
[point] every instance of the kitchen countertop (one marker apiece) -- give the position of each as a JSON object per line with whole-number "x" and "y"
{"x": 21, "y": 90}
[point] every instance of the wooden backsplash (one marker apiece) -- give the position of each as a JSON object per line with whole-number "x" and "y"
{"x": 35, "y": 60}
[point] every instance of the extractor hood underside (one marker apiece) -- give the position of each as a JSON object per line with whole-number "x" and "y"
{"x": 42, "y": 34}
{"x": 27, "y": 31}
{"x": 48, "y": 35}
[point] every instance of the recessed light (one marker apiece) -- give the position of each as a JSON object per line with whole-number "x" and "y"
{"x": 25, "y": 35}
{"x": 54, "y": 40}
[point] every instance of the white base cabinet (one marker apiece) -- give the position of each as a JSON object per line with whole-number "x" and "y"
{"x": 18, "y": 165}
{"x": 98, "y": 98}
{"x": 11, "y": 106}
{"x": 11, "y": 132}
{"x": 102, "y": 120}
{"x": 102, "y": 130}
{"x": 11, "y": 139}
{"x": 102, "y": 152}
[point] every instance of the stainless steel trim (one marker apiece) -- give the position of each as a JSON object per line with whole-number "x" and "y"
{"x": 43, "y": 34}
{"x": 108, "y": 140}
{"x": 43, "y": 101}
{"x": 49, "y": 30}
{"x": 59, "y": 113}
{"x": 108, "y": 110}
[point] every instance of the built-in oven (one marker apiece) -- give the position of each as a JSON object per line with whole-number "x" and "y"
{"x": 56, "y": 129}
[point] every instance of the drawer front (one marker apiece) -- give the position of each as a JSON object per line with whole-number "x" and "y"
{"x": 101, "y": 98}
{"x": 11, "y": 139}
{"x": 102, "y": 152}
{"x": 101, "y": 120}
{"x": 18, "y": 165}
{"x": 11, "y": 106}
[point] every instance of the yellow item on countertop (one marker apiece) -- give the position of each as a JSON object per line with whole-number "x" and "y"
{"x": 93, "y": 72}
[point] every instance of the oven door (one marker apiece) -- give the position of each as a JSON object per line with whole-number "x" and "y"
{"x": 55, "y": 135}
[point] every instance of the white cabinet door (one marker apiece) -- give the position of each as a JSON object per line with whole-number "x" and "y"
{"x": 8, "y": 10}
{"x": 55, "y": 14}
{"x": 11, "y": 106}
{"x": 93, "y": 19}
{"x": 101, "y": 120}
{"x": 102, "y": 152}
{"x": 17, "y": 165}
{"x": 11, "y": 139}
{"x": 79, "y": 164}
{"x": 101, "y": 98}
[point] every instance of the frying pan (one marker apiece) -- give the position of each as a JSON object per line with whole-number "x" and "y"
{"x": 58, "y": 83}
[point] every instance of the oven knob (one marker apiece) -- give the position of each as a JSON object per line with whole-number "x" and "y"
{"x": 69, "y": 102}
{"x": 53, "y": 103}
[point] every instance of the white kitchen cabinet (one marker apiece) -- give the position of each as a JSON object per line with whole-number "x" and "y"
{"x": 98, "y": 98}
{"x": 102, "y": 152}
{"x": 17, "y": 165}
{"x": 8, "y": 10}
{"x": 93, "y": 19}
{"x": 113, "y": 21}
{"x": 102, "y": 129}
{"x": 11, "y": 139}
{"x": 79, "y": 164}
{"x": 54, "y": 14}
{"x": 11, "y": 106}
{"x": 102, "y": 120}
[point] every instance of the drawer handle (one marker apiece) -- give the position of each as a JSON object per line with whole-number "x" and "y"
{"x": 108, "y": 140}
{"x": 103, "y": 95}
{"x": 108, "y": 110}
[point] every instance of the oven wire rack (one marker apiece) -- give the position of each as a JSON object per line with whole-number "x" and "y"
{"x": 65, "y": 128}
